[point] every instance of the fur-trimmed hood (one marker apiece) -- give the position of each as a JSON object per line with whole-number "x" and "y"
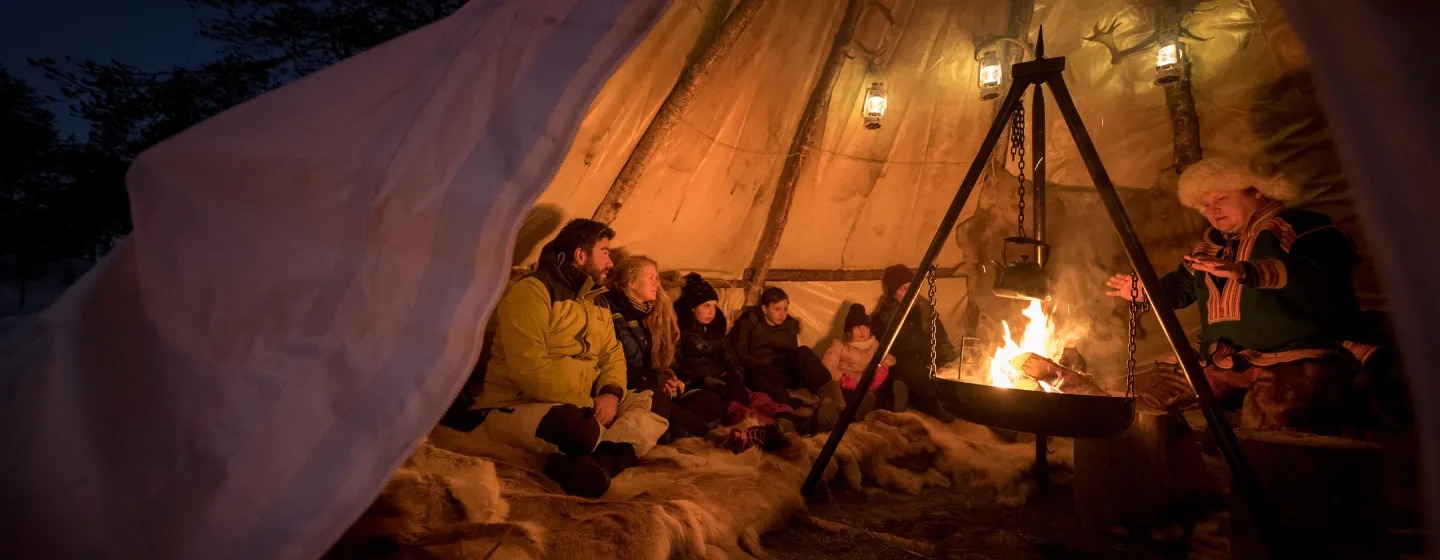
{"x": 1223, "y": 174}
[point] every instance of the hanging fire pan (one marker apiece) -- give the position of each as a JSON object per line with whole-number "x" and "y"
{"x": 1037, "y": 412}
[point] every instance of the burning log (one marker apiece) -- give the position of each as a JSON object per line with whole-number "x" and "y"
{"x": 1055, "y": 376}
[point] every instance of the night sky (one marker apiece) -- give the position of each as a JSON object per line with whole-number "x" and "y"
{"x": 150, "y": 34}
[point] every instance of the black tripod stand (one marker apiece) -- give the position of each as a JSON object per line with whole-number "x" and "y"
{"x": 1049, "y": 72}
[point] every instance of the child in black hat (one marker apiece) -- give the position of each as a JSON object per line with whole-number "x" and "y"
{"x": 707, "y": 361}
{"x": 847, "y": 358}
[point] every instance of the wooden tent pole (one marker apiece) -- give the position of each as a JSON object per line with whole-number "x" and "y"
{"x": 1184, "y": 122}
{"x": 648, "y": 147}
{"x": 807, "y": 135}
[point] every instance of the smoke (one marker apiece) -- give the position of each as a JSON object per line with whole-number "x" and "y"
{"x": 1085, "y": 252}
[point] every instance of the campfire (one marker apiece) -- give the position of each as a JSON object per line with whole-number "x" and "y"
{"x": 1038, "y": 361}
{"x": 1006, "y": 365}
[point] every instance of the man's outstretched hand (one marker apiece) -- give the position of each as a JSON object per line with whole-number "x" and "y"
{"x": 1119, "y": 285}
{"x": 1217, "y": 267}
{"x": 606, "y": 406}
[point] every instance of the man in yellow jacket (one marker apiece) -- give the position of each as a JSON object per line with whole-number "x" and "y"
{"x": 555, "y": 383}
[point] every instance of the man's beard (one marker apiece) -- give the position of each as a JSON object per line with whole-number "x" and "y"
{"x": 595, "y": 273}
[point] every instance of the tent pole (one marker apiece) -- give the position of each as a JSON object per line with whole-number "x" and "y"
{"x": 892, "y": 328}
{"x": 807, "y": 136}
{"x": 1184, "y": 122}
{"x": 1241, "y": 474}
{"x": 670, "y": 111}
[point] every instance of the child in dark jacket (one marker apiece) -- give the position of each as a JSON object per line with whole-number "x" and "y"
{"x": 766, "y": 340}
{"x": 706, "y": 360}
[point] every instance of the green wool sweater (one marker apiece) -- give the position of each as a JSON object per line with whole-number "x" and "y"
{"x": 1297, "y": 291}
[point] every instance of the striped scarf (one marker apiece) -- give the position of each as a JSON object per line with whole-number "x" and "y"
{"x": 644, "y": 307}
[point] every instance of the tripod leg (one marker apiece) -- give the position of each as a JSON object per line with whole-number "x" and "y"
{"x": 1241, "y": 473}
{"x": 1012, "y": 100}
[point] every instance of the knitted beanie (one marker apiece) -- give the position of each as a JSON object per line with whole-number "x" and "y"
{"x": 695, "y": 292}
{"x": 896, "y": 276}
{"x": 856, "y": 317}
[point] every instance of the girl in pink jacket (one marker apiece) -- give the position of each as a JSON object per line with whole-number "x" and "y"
{"x": 846, "y": 358}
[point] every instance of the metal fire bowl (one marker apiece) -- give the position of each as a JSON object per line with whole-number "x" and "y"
{"x": 1037, "y": 412}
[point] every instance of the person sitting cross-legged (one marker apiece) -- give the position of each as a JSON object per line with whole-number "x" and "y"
{"x": 556, "y": 382}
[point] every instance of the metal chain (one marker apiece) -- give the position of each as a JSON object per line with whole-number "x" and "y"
{"x": 1137, "y": 308}
{"x": 1017, "y": 152}
{"x": 934, "y": 324}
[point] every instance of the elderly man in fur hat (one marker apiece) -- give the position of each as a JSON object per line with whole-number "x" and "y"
{"x": 1278, "y": 305}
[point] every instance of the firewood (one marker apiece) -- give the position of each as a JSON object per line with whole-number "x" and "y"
{"x": 1062, "y": 379}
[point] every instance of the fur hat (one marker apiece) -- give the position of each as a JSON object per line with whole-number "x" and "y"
{"x": 695, "y": 292}
{"x": 896, "y": 276}
{"x": 856, "y": 317}
{"x": 1226, "y": 174}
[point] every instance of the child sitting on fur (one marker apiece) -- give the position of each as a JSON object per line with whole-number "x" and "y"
{"x": 707, "y": 362}
{"x": 846, "y": 358}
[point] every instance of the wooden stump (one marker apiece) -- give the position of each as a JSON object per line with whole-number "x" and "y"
{"x": 1123, "y": 480}
{"x": 1328, "y": 493}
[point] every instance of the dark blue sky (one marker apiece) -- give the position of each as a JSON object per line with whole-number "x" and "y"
{"x": 151, "y": 34}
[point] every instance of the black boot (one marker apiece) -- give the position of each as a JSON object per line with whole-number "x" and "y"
{"x": 615, "y": 457}
{"x": 579, "y": 475}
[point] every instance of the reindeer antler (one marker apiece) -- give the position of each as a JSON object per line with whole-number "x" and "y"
{"x": 1106, "y": 37}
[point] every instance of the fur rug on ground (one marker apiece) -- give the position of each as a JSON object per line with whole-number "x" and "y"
{"x": 461, "y": 496}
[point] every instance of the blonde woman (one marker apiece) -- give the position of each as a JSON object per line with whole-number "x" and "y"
{"x": 647, "y": 328}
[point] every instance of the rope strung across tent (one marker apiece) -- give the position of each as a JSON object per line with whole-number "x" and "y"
{"x": 723, "y": 144}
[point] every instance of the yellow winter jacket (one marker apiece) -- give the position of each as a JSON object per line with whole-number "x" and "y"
{"x": 553, "y": 344}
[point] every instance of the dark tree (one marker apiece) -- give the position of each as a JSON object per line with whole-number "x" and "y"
{"x": 30, "y": 155}
{"x": 307, "y": 35}
{"x": 263, "y": 44}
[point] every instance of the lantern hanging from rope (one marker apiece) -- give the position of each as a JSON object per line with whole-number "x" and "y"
{"x": 876, "y": 100}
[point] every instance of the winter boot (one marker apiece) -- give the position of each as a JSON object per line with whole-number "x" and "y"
{"x": 901, "y": 397}
{"x": 615, "y": 457}
{"x": 579, "y": 475}
{"x": 786, "y": 426}
{"x": 832, "y": 403}
{"x": 767, "y": 436}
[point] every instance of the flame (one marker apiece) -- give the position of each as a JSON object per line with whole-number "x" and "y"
{"x": 1038, "y": 338}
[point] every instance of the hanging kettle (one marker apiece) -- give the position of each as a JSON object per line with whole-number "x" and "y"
{"x": 1025, "y": 278}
